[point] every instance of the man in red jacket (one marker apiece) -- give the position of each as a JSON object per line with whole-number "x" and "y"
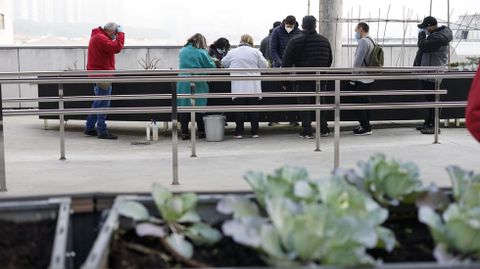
{"x": 104, "y": 44}
{"x": 472, "y": 114}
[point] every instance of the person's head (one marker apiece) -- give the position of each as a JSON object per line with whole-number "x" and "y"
{"x": 290, "y": 22}
{"x": 429, "y": 23}
{"x": 222, "y": 44}
{"x": 309, "y": 23}
{"x": 361, "y": 30}
{"x": 246, "y": 40}
{"x": 198, "y": 41}
{"x": 276, "y": 24}
{"x": 110, "y": 29}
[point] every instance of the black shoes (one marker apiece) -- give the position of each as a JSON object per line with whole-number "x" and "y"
{"x": 107, "y": 135}
{"x": 362, "y": 131}
{"x": 324, "y": 132}
{"x": 429, "y": 130}
{"x": 306, "y": 136}
{"x": 90, "y": 132}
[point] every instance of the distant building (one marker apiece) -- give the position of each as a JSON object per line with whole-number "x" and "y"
{"x": 467, "y": 27}
{"x": 6, "y": 22}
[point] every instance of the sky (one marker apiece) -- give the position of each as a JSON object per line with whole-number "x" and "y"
{"x": 172, "y": 22}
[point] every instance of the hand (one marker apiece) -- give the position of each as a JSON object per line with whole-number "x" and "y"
{"x": 119, "y": 29}
{"x": 421, "y": 30}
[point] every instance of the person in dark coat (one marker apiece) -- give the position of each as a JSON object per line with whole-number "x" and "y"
{"x": 265, "y": 44}
{"x": 280, "y": 37}
{"x": 309, "y": 49}
{"x": 433, "y": 42}
{"x": 218, "y": 50}
{"x": 104, "y": 43}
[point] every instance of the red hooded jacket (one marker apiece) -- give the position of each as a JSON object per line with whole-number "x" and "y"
{"x": 102, "y": 50}
{"x": 472, "y": 114}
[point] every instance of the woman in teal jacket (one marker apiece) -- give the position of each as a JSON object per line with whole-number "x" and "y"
{"x": 193, "y": 55}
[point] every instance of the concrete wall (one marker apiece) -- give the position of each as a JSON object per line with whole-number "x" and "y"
{"x": 55, "y": 58}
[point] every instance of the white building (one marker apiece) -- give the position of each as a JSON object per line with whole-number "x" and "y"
{"x": 6, "y": 22}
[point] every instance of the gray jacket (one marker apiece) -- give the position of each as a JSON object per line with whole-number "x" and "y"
{"x": 433, "y": 50}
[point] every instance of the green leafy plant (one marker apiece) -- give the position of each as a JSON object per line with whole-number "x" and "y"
{"x": 179, "y": 226}
{"x": 307, "y": 221}
{"x": 456, "y": 230}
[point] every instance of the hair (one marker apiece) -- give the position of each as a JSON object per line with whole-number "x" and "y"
{"x": 290, "y": 20}
{"x": 111, "y": 26}
{"x": 309, "y": 23}
{"x": 276, "y": 24}
{"x": 246, "y": 39}
{"x": 222, "y": 43}
{"x": 364, "y": 26}
{"x": 198, "y": 41}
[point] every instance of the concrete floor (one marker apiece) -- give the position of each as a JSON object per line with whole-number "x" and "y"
{"x": 124, "y": 165}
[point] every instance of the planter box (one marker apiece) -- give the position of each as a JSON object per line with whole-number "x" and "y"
{"x": 403, "y": 220}
{"x": 35, "y": 234}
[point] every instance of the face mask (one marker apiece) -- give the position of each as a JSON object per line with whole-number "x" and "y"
{"x": 113, "y": 37}
{"x": 220, "y": 51}
{"x": 358, "y": 36}
{"x": 288, "y": 29}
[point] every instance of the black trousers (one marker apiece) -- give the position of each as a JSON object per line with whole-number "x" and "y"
{"x": 306, "y": 116}
{"x": 240, "y": 116}
{"x": 363, "y": 116}
{"x": 185, "y": 119}
{"x": 430, "y": 115}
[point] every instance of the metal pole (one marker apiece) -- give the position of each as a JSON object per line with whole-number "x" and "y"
{"x": 437, "y": 112}
{"x": 337, "y": 125}
{"x": 3, "y": 176}
{"x": 448, "y": 24}
{"x": 174, "y": 136}
{"x": 317, "y": 117}
{"x": 193, "y": 125}
{"x": 61, "y": 106}
{"x": 308, "y": 11}
{"x": 431, "y": 4}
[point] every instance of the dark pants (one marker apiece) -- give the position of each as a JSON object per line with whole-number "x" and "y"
{"x": 240, "y": 116}
{"x": 306, "y": 116}
{"x": 363, "y": 116}
{"x": 185, "y": 119}
{"x": 430, "y": 115}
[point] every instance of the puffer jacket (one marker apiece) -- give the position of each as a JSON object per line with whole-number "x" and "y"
{"x": 472, "y": 114}
{"x": 102, "y": 50}
{"x": 433, "y": 49}
{"x": 308, "y": 49}
{"x": 278, "y": 42}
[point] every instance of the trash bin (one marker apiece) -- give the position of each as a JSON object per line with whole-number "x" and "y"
{"x": 214, "y": 127}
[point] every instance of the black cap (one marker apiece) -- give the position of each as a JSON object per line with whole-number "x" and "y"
{"x": 427, "y": 22}
{"x": 309, "y": 23}
{"x": 276, "y": 24}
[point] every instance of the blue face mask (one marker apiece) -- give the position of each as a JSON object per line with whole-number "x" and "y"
{"x": 358, "y": 36}
{"x": 113, "y": 37}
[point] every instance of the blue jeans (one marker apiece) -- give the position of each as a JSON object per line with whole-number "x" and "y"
{"x": 99, "y": 119}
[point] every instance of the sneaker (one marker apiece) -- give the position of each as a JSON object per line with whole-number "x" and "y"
{"x": 238, "y": 136}
{"x": 255, "y": 136}
{"x": 429, "y": 130}
{"x": 294, "y": 123}
{"x": 185, "y": 136}
{"x": 272, "y": 123}
{"x": 421, "y": 126}
{"x": 325, "y": 132}
{"x": 306, "y": 136}
{"x": 90, "y": 132}
{"x": 357, "y": 128}
{"x": 202, "y": 135}
{"x": 362, "y": 131}
{"x": 107, "y": 135}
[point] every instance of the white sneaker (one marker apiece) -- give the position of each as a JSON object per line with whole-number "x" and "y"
{"x": 255, "y": 136}
{"x": 237, "y": 136}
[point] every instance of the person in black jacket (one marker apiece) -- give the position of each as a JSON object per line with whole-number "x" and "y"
{"x": 265, "y": 44}
{"x": 309, "y": 49}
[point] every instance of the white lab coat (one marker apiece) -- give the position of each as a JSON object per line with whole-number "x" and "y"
{"x": 245, "y": 57}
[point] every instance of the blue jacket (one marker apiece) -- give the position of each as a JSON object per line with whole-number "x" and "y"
{"x": 278, "y": 42}
{"x": 189, "y": 58}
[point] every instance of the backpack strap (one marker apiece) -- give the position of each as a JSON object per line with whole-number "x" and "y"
{"x": 365, "y": 60}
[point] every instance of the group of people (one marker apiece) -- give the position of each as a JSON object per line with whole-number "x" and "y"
{"x": 285, "y": 46}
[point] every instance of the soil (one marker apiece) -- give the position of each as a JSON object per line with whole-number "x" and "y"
{"x": 130, "y": 251}
{"x": 26, "y": 245}
{"x": 414, "y": 241}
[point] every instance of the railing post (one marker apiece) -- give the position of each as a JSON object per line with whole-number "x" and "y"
{"x": 3, "y": 176}
{"x": 437, "y": 111}
{"x": 174, "y": 136}
{"x": 336, "y": 162}
{"x": 193, "y": 125}
{"x": 317, "y": 115}
{"x": 61, "y": 106}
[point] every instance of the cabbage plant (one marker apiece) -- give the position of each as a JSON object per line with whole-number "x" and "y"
{"x": 456, "y": 231}
{"x": 179, "y": 221}
{"x": 306, "y": 221}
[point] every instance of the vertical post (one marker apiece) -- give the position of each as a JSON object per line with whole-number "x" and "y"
{"x": 3, "y": 177}
{"x": 174, "y": 136}
{"x": 61, "y": 106}
{"x": 337, "y": 125}
{"x": 448, "y": 24}
{"x": 437, "y": 110}
{"x": 317, "y": 116}
{"x": 329, "y": 14}
{"x": 431, "y": 4}
{"x": 193, "y": 125}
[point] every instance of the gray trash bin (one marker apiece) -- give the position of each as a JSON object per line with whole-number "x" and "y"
{"x": 214, "y": 127}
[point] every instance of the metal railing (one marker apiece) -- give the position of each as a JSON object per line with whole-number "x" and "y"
{"x": 198, "y": 75}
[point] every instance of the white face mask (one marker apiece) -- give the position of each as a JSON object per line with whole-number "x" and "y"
{"x": 288, "y": 29}
{"x": 220, "y": 51}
